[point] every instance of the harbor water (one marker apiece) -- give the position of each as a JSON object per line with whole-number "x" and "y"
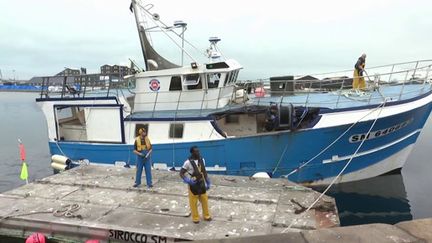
{"x": 386, "y": 199}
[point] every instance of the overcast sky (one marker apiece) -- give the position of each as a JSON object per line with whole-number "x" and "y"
{"x": 270, "y": 37}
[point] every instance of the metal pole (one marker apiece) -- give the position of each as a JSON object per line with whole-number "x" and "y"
{"x": 217, "y": 101}
{"x": 370, "y": 98}
{"x": 202, "y": 101}
{"x": 403, "y": 85}
{"x": 340, "y": 93}
{"x": 426, "y": 77}
{"x": 391, "y": 72}
{"x": 155, "y": 102}
{"x": 109, "y": 85}
{"x": 415, "y": 69}
{"x": 337, "y": 101}
{"x": 64, "y": 86}
{"x": 178, "y": 103}
{"x": 283, "y": 92}
{"x": 42, "y": 87}
{"x": 80, "y": 83}
{"x": 182, "y": 35}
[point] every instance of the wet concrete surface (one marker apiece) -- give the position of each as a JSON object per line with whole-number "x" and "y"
{"x": 108, "y": 208}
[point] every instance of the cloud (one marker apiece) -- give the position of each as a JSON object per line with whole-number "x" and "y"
{"x": 269, "y": 38}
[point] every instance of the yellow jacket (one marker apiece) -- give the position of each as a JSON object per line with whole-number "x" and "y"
{"x": 139, "y": 146}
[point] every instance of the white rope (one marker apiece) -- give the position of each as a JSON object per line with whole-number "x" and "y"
{"x": 58, "y": 146}
{"x": 294, "y": 221}
{"x": 326, "y": 148}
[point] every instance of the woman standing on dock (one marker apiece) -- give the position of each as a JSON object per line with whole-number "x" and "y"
{"x": 143, "y": 150}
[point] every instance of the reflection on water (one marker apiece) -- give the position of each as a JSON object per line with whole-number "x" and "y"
{"x": 378, "y": 200}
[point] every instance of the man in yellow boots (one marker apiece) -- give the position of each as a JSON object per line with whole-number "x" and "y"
{"x": 358, "y": 80}
{"x": 198, "y": 182}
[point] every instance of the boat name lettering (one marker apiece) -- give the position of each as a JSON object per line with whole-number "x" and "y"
{"x": 379, "y": 133}
{"x": 136, "y": 237}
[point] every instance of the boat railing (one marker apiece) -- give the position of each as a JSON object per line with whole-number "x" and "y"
{"x": 299, "y": 91}
{"x": 383, "y": 69}
{"x": 304, "y": 92}
{"x": 80, "y": 86}
{"x": 198, "y": 100}
{"x": 300, "y": 88}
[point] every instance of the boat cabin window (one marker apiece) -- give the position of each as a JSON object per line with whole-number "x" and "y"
{"x": 213, "y": 80}
{"x": 232, "y": 119}
{"x": 234, "y": 75}
{"x": 139, "y": 126}
{"x": 193, "y": 81}
{"x": 176, "y": 83}
{"x": 227, "y": 78}
{"x": 84, "y": 123}
{"x": 176, "y": 130}
{"x": 64, "y": 113}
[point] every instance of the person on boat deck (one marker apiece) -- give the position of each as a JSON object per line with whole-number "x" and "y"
{"x": 143, "y": 150}
{"x": 272, "y": 119}
{"x": 198, "y": 184}
{"x": 358, "y": 80}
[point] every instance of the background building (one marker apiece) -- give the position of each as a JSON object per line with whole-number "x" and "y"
{"x": 69, "y": 72}
{"x": 79, "y": 77}
{"x": 116, "y": 70}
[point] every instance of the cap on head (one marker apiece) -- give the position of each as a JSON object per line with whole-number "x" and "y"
{"x": 364, "y": 55}
{"x": 141, "y": 131}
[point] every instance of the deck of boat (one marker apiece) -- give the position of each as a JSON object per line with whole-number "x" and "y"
{"x": 331, "y": 100}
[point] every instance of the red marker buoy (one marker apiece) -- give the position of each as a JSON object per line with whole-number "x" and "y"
{"x": 36, "y": 238}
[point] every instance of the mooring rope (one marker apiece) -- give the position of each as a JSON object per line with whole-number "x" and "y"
{"x": 294, "y": 221}
{"x": 68, "y": 211}
{"x": 326, "y": 148}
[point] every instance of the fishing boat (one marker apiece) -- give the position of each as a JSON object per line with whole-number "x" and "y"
{"x": 315, "y": 137}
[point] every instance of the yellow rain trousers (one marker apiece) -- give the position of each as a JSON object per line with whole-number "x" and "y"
{"x": 358, "y": 81}
{"x": 193, "y": 203}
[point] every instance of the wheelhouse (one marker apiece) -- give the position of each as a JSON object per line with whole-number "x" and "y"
{"x": 209, "y": 86}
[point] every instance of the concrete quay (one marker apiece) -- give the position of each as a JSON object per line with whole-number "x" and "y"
{"x": 415, "y": 231}
{"x": 98, "y": 202}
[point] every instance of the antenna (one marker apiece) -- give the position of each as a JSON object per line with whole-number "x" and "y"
{"x": 183, "y": 25}
{"x": 213, "y": 52}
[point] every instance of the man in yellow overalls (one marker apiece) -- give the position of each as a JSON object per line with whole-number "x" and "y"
{"x": 198, "y": 182}
{"x": 358, "y": 80}
{"x": 143, "y": 150}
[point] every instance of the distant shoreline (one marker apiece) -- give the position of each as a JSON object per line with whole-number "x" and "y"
{"x": 19, "y": 90}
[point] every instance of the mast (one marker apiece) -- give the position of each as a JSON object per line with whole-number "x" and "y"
{"x": 135, "y": 11}
{"x": 152, "y": 59}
